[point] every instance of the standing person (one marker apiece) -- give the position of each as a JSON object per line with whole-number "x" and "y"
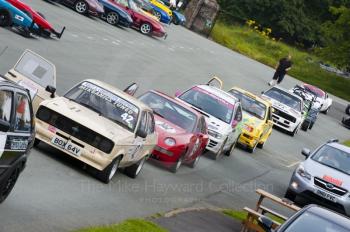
{"x": 282, "y": 67}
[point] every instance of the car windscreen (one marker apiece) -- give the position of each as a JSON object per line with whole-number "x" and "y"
{"x": 250, "y": 105}
{"x": 36, "y": 69}
{"x": 209, "y": 103}
{"x": 284, "y": 98}
{"x": 170, "y": 111}
{"x": 105, "y": 103}
{"x": 311, "y": 222}
{"x": 334, "y": 158}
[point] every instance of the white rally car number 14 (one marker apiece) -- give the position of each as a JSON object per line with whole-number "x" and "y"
{"x": 66, "y": 145}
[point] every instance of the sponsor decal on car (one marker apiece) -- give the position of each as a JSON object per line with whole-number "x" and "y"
{"x": 332, "y": 180}
{"x": 18, "y": 17}
{"x": 166, "y": 127}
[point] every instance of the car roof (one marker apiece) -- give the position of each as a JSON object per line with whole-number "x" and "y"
{"x": 5, "y": 81}
{"x": 287, "y": 91}
{"x": 329, "y": 215}
{"x": 170, "y": 98}
{"x": 339, "y": 146}
{"x": 267, "y": 103}
{"x": 119, "y": 92}
{"x": 314, "y": 88}
{"x": 219, "y": 92}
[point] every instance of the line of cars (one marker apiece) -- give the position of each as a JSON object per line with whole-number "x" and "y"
{"x": 109, "y": 129}
{"x": 143, "y": 15}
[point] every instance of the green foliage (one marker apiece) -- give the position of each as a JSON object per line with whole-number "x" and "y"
{"x": 305, "y": 66}
{"x": 131, "y": 225}
{"x": 337, "y": 37}
{"x": 296, "y": 21}
{"x": 347, "y": 143}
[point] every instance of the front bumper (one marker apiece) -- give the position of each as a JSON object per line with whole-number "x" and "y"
{"x": 89, "y": 155}
{"x": 168, "y": 156}
{"x": 160, "y": 34}
{"x": 284, "y": 123}
{"x": 214, "y": 144}
{"x": 307, "y": 189}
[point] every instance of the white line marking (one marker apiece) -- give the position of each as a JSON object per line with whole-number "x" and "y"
{"x": 90, "y": 37}
{"x": 293, "y": 164}
{"x": 105, "y": 39}
{"x": 74, "y": 35}
{"x": 115, "y": 43}
{"x": 118, "y": 41}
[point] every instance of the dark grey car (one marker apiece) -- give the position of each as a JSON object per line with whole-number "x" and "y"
{"x": 324, "y": 177}
{"x": 16, "y": 133}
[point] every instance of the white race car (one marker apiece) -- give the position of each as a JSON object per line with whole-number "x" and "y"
{"x": 223, "y": 114}
{"x": 288, "y": 109}
{"x": 322, "y": 97}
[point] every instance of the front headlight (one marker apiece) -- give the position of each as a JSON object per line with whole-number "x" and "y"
{"x": 215, "y": 134}
{"x": 170, "y": 141}
{"x": 303, "y": 173}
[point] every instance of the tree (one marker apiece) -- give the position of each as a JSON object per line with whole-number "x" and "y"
{"x": 337, "y": 37}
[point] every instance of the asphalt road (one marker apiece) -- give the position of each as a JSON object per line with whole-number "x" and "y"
{"x": 55, "y": 194}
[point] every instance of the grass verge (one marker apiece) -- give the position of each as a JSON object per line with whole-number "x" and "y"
{"x": 305, "y": 66}
{"x": 131, "y": 225}
{"x": 241, "y": 215}
{"x": 347, "y": 143}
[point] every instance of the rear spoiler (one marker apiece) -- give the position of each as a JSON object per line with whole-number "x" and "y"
{"x": 131, "y": 89}
{"x": 216, "y": 82}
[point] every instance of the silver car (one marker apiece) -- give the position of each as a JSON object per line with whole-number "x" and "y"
{"x": 324, "y": 177}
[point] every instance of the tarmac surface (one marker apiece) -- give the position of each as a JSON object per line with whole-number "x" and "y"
{"x": 54, "y": 193}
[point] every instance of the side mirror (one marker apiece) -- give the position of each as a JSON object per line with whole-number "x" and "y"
{"x": 265, "y": 223}
{"x": 4, "y": 126}
{"x": 305, "y": 152}
{"x": 177, "y": 93}
{"x": 234, "y": 123}
{"x": 131, "y": 89}
{"x": 51, "y": 90}
{"x": 141, "y": 133}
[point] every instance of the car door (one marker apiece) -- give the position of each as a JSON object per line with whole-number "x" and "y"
{"x": 36, "y": 74}
{"x": 200, "y": 139}
{"x": 151, "y": 139}
{"x": 268, "y": 123}
{"x": 237, "y": 122}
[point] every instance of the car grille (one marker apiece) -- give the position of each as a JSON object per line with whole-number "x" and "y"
{"x": 75, "y": 129}
{"x": 329, "y": 187}
{"x": 284, "y": 115}
{"x": 212, "y": 143}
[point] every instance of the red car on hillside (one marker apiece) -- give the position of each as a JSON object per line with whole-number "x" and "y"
{"x": 182, "y": 131}
{"x": 141, "y": 21}
{"x": 45, "y": 28}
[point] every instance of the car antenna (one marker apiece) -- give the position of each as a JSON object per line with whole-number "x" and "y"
{"x": 3, "y": 50}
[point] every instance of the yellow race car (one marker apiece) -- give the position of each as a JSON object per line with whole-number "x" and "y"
{"x": 257, "y": 119}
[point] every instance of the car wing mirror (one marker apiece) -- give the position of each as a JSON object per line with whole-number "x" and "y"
{"x": 141, "y": 133}
{"x": 4, "y": 125}
{"x": 216, "y": 82}
{"x": 305, "y": 152}
{"x": 51, "y": 90}
{"x": 234, "y": 123}
{"x": 265, "y": 223}
{"x": 131, "y": 89}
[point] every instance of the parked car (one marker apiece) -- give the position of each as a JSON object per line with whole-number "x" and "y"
{"x": 322, "y": 97}
{"x": 17, "y": 133}
{"x": 310, "y": 218}
{"x": 36, "y": 74}
{"x": 324, "y": 177}
{"x": 257, "y": 119}
{"x": 162, "y": 12}
{"x": 85, "y": 7}
{"x": 141, "y": 21}
{"x": 11, "y": 16}
{"x": 288, "y": 109}
{"x": 45, "y": 28}
{"x": 178, "y": 18}
{"x": 115, "y": 14}
{"x": 100, "y": 125}
{"x": 182, "y": 131}
{"x": 311, "y": 106}
{"x": 222, "y": 111}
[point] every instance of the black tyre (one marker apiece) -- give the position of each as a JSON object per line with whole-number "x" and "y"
{"x": 347, "y": 110}
{"x": 9, "y": 183}
{"x": 36, "y": 142}
{"x": 261, "y": 145}
{"x": 134, "y": 170}
{"x": 5, "y": 18}
{"x": 177, "y": 165}
{"x": 107, "y": 174}
{"x": 327, "y": 110}
{"x": 220, "y": 151}
{"x": 176, "y": 21}
{"x": 146, "y": 28}
{"x": 194, "y": 163}
{"x": 81, "y": 7}
{"x": 305, "y": 125}
{"x": 252, "y": 149}
{"x": 112, "y": 18}
{"x": 294, "y": 132}
{"x": 229, "y": 152}
{"x": 311, "y": 125}
{"x": 290, "y": 195}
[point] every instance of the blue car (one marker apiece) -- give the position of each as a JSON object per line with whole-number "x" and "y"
{"x": 161, "y": 15}
{"x": 12, "y": 16}
{"x": 178, "y": 18}
{"x": 114, "y": 14}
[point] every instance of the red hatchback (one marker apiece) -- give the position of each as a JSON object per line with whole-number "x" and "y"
{"x": 141, "y": 20}
{"x": 45, "y": 28}
{"x": 182, "y": 131}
